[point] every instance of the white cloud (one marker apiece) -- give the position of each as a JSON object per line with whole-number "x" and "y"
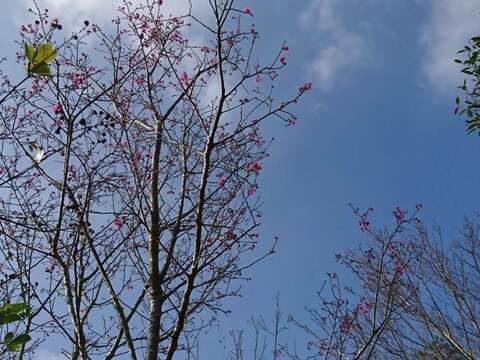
{"x": 74, "y": 12}
{"x": 451, "y": 24}
{"x": 48, "y": 355}
{"x": 340, "y": 49}
{"x": 332, "y": 60}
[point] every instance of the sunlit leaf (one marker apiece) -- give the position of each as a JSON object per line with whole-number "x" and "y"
{"x": 39, "y": 155}
{"x": 45, "y": 53}
{"x": 16, "y": 308}
{"x": 29, "y": 51}
{"x": 38, "y": 151}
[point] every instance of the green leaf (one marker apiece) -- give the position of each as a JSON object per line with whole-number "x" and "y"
{"x": 29, "y": 51}
{"x": 473, "y": 58}
{"x": 41, "y": 69}
{"x": 14, "y": 344}
{"x": 16, "y": 308}
{"x": 7, "y": 318}
{"x": 12, "y": 312}
{"x": 8, "y": 337}
{"x": 45, "y": 53}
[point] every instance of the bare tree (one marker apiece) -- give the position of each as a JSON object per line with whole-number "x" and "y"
{"x": 129, "y": 168}
{"x": 267, "y": 338}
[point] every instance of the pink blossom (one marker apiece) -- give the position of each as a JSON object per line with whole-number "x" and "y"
{"x": 184, "y": 77}
{"x": 136, "y": 159}
{"x": 305, "y": 87}
{"x": 398, "y": 214}
{"x": 362, "y": 308}
{"x": 57, "y": 108}
{"x": 26, "y": 29}
{"x": 118, "y": 223}
{"x": 324, "y": 346}
{"x": 221, "y": 181}
{"x": 139, "y": 81}
{"x": 258, "y": 78}
{"x": 283, "y": 60}
{"x": 77, "y": 80}
{"x": 248, "y": 10}
{"x": 392, "y": 248}
{"x": 254, "y": 167}
{"x": 230, "y": 235}
{"x": 273, "y": 75}
{"x": 346, "y": 324}
{"x": 397, "y": 267}
{"x": 363, "y": 223}
{"x": 285, "y": 48}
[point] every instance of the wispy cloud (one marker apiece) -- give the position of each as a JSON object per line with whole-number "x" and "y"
{"x": 340, "y": 48}
{"x": 47, "y": 355}
{"x": 451, "y": 24}
{"x": 74, "y": 12}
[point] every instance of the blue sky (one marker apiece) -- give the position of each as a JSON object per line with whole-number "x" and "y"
{"x": 378, "y": 130}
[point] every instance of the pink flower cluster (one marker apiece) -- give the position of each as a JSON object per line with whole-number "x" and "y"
{"x": 362, "y": 308}
{"x": 254, "y": 167}
{"x": 248, "y": 10}
{"x": 118, "y": 223}
{"x": 221, "y": 181}
{"x": 77, "y": 79}
{"x": 398, "y": 267}
{"x": 184, "y": 77}
{"x": 363, "y": 222}
{"x": 305, "y": 87}
{"x": 283, "y": 57}
{"x": 399, "y": 214}
{"x": 346, "y": 324}
{"x": 57, "y": 108}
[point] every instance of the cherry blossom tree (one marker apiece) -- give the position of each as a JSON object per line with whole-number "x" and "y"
{"x": 415, "y": 295}
{"x": 129, "y": 176}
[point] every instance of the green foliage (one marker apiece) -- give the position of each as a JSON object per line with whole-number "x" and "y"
{"x": 10, "y": 313}
{"x": 39, "y": 58}
{"x": 471, "y": 85}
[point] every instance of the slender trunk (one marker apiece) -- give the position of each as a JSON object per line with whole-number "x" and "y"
{"x": 153, "y": 338}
